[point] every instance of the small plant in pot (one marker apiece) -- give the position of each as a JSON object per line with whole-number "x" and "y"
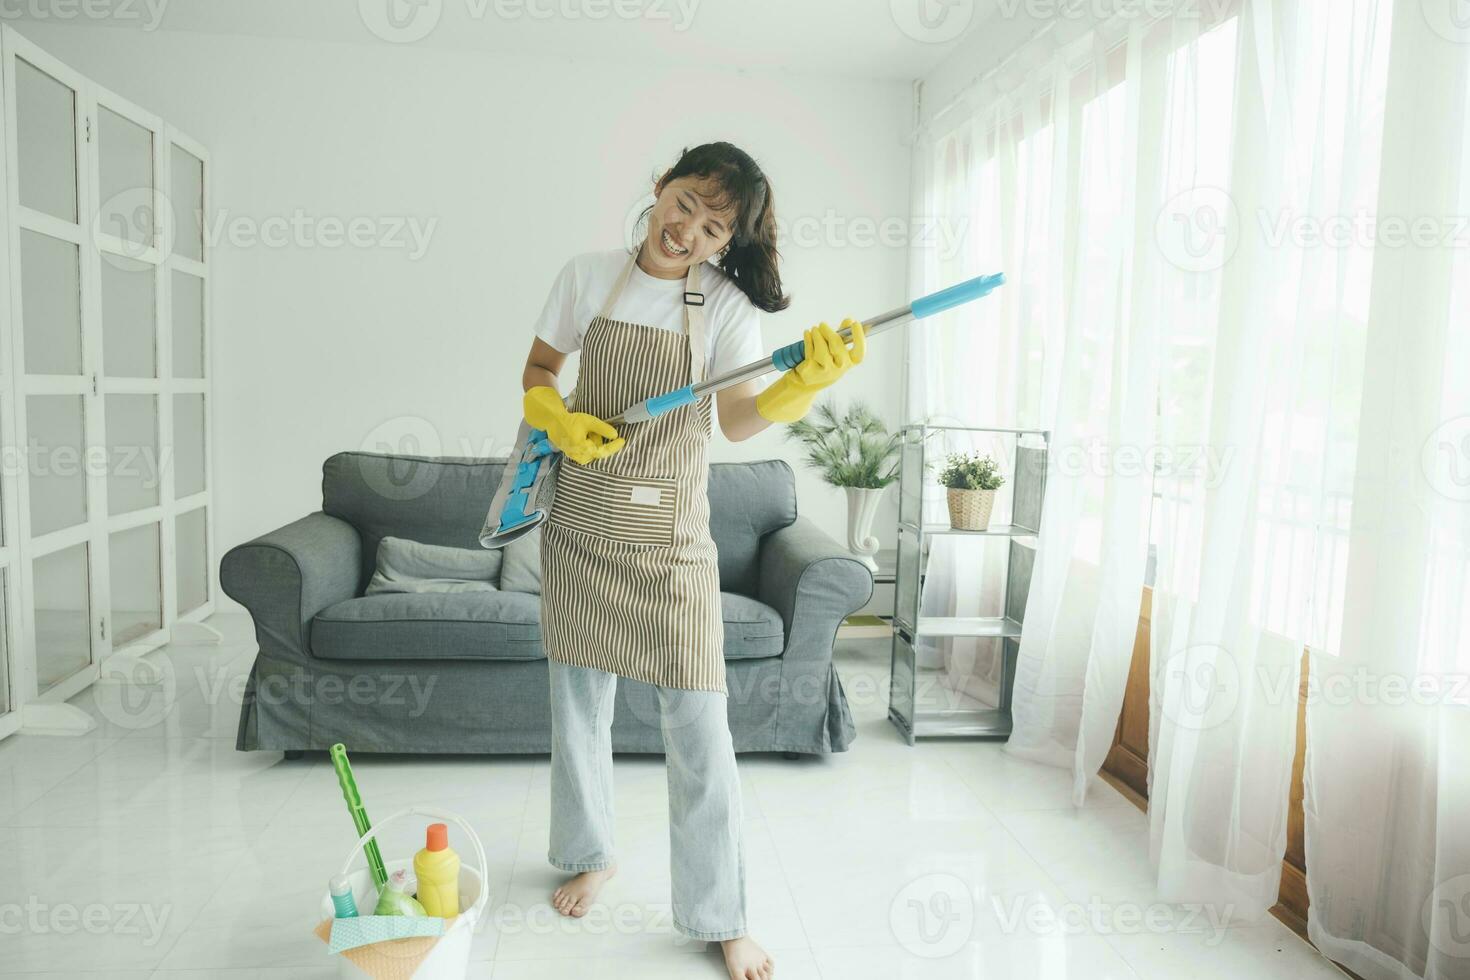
{"x": 970, "y": 481}
{"x": 855, "y": 451}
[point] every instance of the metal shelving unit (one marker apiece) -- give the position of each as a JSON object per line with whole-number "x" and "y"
{"x": 911, "y": 707}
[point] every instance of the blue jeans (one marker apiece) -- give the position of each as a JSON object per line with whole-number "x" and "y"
{"x": 707, "y": 863}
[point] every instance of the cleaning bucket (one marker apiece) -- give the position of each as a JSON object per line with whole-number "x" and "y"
{"x": 449, "y": 959}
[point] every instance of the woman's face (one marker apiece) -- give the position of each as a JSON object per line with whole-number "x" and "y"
{"x": 682, "y": 228}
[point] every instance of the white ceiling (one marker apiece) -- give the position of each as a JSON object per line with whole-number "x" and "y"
{"x": 891, "y": 39}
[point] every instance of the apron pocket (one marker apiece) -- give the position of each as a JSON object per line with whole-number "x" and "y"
{"x": 632, "y": 509}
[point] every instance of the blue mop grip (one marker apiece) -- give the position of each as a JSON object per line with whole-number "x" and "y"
{"x": 970, "y": 289}
{"x": 786, "y": 358}
{"x": 659, "y": 404}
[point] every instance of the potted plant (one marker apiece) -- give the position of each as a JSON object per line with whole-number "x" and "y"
{"x": 971, "y": 480}
{"x": 856, "y": 452}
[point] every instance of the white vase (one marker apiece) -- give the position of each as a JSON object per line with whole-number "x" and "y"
{"x": 862, "y": 505}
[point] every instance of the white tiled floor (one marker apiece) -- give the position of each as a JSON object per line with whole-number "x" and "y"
{"x": 151, "y": 848}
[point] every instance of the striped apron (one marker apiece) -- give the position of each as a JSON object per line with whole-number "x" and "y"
{"x": 630, "y": 580}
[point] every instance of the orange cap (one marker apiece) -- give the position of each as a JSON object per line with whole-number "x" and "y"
{"x": 438, "y": 837}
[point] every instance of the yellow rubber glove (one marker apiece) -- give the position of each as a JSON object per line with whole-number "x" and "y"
{"x": 581, "y": 436}
{"x": 826, "y": 359}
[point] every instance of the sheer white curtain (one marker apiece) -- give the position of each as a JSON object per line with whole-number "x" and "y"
{"x": 1265, "y": 346}
{"x": 1388, "y": 719}
{"x": 1188, "y": 257}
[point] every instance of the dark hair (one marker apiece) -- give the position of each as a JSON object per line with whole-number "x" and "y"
{"x": 750, "y": 259}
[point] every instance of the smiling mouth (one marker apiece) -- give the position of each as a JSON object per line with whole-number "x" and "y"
{"x": 672, "y": 250}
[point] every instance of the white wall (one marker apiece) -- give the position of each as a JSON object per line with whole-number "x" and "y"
{"x": 513, "y": 165}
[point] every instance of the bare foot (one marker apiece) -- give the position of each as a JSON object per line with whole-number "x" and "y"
{"x": 747, "y": 961}
{"x": 577, "y": 893}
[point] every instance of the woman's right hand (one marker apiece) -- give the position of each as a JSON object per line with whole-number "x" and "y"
{"x": 581, "y": 436}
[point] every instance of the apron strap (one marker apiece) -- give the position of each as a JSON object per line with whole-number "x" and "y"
{"x": 694, "y": 324}
{"x": 693, "y": 313}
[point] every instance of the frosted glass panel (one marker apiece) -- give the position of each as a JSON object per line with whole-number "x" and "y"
{"x": 188, "y": 444}
{"x": 63, "y": 615}
{"x": 4, "y": 646}
{"x": 51, "y": 305}
{"x": 188, "y": 312}
{"x": 128, "y": 348}
{"x": 125, "y": 152}
{"x": 55, "y": 462}
{"x": 45, "y": 121}
{"x": 186, "y": 194}
{"x": 132, "y": 452}
{"x": 193, "y": 563}
{"x": 137, "y": 583}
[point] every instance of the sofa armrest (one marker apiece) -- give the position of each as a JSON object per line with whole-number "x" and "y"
{"x": 286, "y": 576}
{"x": 812, "y": 582}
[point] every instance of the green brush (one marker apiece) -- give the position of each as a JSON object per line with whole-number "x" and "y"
{"x": 358, "y": 811}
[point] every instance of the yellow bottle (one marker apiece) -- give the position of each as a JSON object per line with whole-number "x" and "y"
{"x": 437, "y": 869}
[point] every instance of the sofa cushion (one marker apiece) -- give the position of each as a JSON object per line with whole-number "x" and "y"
{"x": 752, "y": 629}
{"x": 430, "y": 626}
{"x": 747, "y": 501}
{"x": 521, "y": 571}
{"x": 413, "y": 566}
{"x": 433, "y": 499}
{"x": 491, "y": 626}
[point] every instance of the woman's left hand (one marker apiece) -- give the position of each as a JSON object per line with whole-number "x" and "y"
{"x": 827, "y": 356}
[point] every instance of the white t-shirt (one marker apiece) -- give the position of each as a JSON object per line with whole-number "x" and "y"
{"x": 732, "y": 322}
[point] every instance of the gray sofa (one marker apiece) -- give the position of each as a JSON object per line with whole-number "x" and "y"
{"x": 465, "y": 672}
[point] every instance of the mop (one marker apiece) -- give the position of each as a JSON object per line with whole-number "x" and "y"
{"x": 514, "y": 511}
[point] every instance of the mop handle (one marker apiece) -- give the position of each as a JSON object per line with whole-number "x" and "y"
{"x": 358, "y": 811}
{"x": 786, "y": 358}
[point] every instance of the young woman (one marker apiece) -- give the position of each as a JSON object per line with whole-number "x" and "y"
{"x": 630, "y": 583}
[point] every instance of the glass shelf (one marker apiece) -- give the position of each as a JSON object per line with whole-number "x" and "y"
{"x": 922, "y": 701}
{"x": 993, "y": 531}
{"x": 967, "y": 626}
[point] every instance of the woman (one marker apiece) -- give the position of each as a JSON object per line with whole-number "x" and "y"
{"x": 630, "y": 582}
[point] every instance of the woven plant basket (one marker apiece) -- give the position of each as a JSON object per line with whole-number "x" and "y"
{"x": 969, "y": 510}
